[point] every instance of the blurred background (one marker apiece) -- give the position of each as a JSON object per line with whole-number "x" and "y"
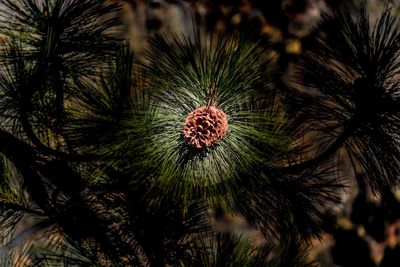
{"x": 365, "y": 230}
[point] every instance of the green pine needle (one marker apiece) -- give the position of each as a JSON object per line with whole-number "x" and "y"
{"x": 179, "y": 75}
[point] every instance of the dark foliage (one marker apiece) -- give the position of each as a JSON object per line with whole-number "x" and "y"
{"x": 350, "y": 94}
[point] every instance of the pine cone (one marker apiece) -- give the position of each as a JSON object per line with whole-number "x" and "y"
{"x": 205, "y": 126}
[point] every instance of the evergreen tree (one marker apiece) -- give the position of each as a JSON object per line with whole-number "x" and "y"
{"x": 115, "y": 159}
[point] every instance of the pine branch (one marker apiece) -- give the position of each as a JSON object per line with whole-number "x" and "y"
{"x": 348, "y": 72}
{"x": 179, "y": 79}
{"x": 330, "y": 151}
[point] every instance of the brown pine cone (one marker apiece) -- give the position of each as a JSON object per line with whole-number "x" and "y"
{"x": 205, "y": 126}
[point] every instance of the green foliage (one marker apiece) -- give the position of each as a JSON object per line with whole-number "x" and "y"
{"x": 179, "y": 73}
{"x": 49, "y": 46}
{"x": 222, "y": 250}
{"x": 105, "y": 167}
